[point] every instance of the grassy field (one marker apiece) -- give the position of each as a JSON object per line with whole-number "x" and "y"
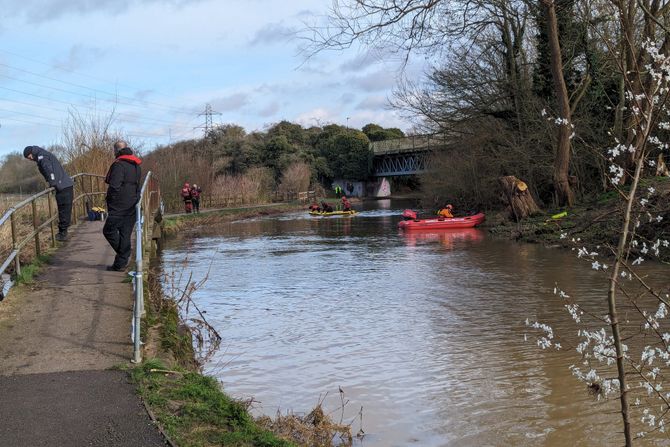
{"x": 7, "y": 200}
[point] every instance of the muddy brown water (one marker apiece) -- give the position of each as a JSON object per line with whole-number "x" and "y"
{"x": 424, "y": 331}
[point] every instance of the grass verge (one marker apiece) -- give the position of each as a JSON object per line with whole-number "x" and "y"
{"x": 193, "y": 410}
{"x": 30, "y": 271}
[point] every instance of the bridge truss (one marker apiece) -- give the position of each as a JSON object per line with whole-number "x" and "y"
{"x": 406, "y": 163}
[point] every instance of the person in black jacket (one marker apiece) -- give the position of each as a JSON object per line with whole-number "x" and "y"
{"x": 124, "y": 180}
{"x": 58, "y": 179}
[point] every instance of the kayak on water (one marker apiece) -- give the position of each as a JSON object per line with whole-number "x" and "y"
{"x": 333, "y": 213}
{"x": 440, "y": 223}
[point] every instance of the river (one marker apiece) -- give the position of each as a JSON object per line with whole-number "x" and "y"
{"x": 424, "y": 331}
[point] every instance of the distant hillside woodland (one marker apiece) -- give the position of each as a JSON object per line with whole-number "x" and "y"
{"x": 287, "y": 158}
{"x": 229, "y": 163}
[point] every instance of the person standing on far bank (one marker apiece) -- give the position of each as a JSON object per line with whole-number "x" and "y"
{"x": 58, "y": 179}
{"x": 196, "y": 191}
{"x": 123, "y": 193}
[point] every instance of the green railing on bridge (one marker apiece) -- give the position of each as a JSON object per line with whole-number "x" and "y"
{"x": 416, "y": 143}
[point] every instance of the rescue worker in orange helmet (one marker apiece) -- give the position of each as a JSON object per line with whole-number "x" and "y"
{"x": 446, "y": 212}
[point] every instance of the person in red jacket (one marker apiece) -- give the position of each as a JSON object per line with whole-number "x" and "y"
{"x": 346, "y": 206}
{"x": 186, "y": 197}
{"x": 195, "y": 197}
{"x": 123, "y": 192}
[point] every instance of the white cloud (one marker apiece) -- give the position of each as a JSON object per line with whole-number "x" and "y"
{"x": 319, "y": 116}
{"x": 376, "y": 81}
{"x": 228, "y": 103}
{"x": 373, "y": 103}
{"x": 37, "y": 11}
{"x": 272, "y": 34}
{"x": 269, "y": 110}
{"x": 78, "y": 57}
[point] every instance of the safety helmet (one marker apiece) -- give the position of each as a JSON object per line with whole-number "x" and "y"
{"x": 450, "y": 207}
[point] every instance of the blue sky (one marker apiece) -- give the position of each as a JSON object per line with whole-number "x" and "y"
{"x": 156, "y": 63}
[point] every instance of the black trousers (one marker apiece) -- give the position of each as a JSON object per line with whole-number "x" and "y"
{"x": 196, "y": 205}
{"x": 64, "y": 203}
{"x": 118, "y": 231}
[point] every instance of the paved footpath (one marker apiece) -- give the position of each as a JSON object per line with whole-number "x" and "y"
{"x": 58, "y": 341}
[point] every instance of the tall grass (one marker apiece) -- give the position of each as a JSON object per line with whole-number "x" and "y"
{"x": 24, "y": 226}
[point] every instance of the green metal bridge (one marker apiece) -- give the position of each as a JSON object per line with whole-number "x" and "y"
{"x": 404, "y": 156}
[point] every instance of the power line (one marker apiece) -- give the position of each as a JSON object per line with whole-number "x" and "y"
{"x": 118, "y": 114}
{"x": 29, "y": 122}
{"x": 121, "y": 116}
{"x": 173, "y": 109}
{"x": 70, "y": 92}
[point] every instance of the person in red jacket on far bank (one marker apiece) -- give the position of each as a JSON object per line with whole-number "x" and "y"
{"x": 186, "y": 197}
{"x": 195, "y": 197}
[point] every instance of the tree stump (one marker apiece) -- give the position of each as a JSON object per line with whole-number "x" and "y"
{"x": 515, "y": 193}
{"x": 661, "y": 167}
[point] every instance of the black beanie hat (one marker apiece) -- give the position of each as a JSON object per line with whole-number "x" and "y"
{"x": 27, "y": 151}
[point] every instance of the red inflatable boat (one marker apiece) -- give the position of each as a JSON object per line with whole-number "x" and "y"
{"x": 440, "y": 223}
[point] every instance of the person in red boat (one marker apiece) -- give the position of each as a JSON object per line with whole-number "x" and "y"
{"x": 187, "y": 198}
{"x": 409, "y": 215}
{"x": 315, "y": 207}
{"x": 346, "y": 206}
{"x": 326, "y": 207}
{"x": 446, "y": 212}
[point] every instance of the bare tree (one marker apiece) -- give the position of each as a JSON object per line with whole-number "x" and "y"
{"x": 87, "y": 142}
{"x": 456, "y": 28}
{"x": 564, "y": 192}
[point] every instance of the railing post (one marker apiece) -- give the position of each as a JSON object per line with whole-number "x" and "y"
{"x": 53, "y": 222}
{"x": 74, "y": 205}
{"x": 85, "y": 198}
{"x": 17, "y": 262}
{"x": 38, "y": 249}
{"x": 141, "y": 227}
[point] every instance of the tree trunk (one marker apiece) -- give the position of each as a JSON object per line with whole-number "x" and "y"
{"x": 515, "y": 192}
{"x": 564, "y": 194}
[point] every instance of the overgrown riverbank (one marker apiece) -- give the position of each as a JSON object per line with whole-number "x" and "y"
{"x": 593, "y": 223}
{"x": 180, "y": 222}
{"x": 192, "y": 408}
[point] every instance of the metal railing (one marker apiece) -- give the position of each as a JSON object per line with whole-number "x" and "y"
{"x": 84, "y": 195}
{"x": 148, "y": 204}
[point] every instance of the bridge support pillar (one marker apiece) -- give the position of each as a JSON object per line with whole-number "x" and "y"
{"x": 381, "y": 187}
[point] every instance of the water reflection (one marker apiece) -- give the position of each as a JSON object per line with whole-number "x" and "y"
{"x": 423, "y": 330}
{"x": 448, "y": 239}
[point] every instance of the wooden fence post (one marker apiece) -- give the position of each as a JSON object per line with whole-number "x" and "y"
{"x": 38, "y": 249}
{"x": 17, "y": 262}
